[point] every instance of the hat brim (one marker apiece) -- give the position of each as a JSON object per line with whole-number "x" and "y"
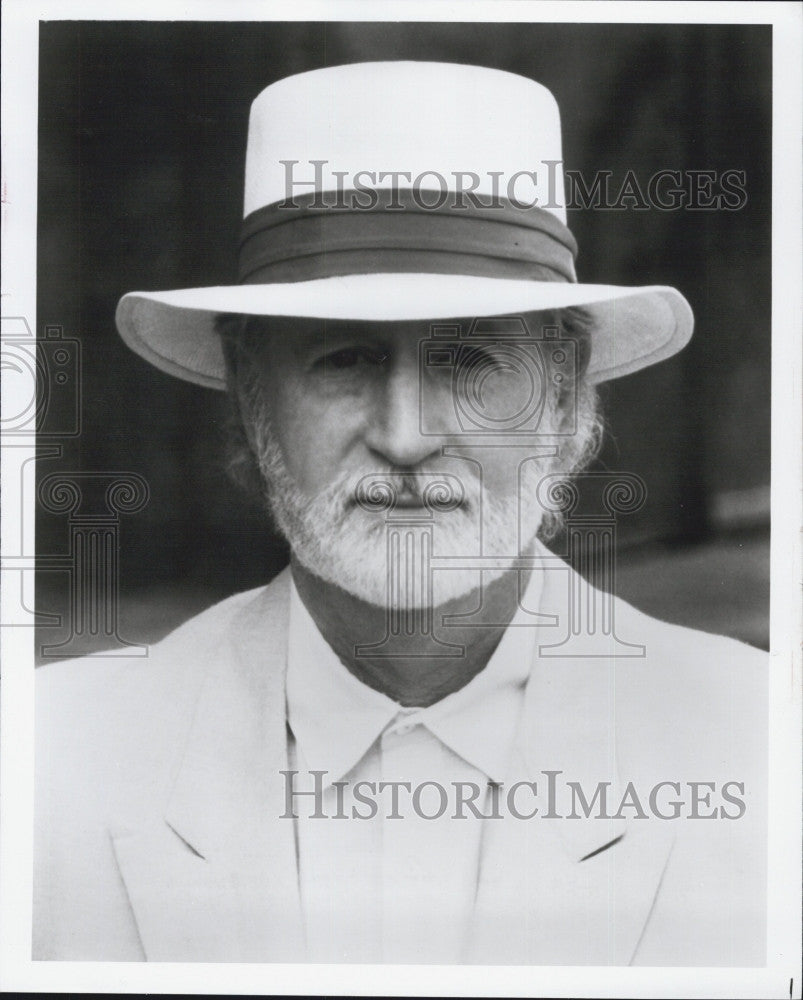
{"x": 174, "y": 330}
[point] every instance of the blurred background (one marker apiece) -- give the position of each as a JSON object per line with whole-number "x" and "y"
{"x": 142, "y": 136}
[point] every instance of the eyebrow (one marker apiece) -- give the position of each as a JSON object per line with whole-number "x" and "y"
{"x": 342, "y": 330}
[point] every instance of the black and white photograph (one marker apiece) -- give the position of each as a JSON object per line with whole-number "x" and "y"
{"x": 401, "y": 499}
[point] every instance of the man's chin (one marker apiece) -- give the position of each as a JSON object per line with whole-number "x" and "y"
{"x": 356, "y": 554}
{"x": 370, "y": 585}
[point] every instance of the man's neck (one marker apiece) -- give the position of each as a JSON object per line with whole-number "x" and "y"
{"x": 411, "y": 675}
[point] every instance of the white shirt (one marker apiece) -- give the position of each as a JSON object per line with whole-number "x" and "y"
{"x": 400, "y": 889}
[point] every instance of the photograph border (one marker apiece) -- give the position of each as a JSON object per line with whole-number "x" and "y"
{"x": 780, "y": 977}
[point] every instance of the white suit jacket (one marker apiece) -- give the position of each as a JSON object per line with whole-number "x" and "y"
{"x": 158, "y": 834}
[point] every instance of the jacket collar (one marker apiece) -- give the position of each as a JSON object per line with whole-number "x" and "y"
{"x": 237, "y": 742}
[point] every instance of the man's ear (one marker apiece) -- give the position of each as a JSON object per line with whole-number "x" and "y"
{"x": 230, "y": 327}
{"x": 564, "y": 408}
{"x": 239, "y": 378}
{"x": 231, "y": 330}
{"x": 241, "y": 462}
{"x": 240, "y": 448}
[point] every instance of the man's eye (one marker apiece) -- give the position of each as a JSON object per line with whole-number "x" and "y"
{"x": 353, "y": 357}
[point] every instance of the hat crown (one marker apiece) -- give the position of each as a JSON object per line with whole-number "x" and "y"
{"x": 437, "y": 126}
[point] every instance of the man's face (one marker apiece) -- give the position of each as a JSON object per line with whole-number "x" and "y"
{"x": 328, "y": 403}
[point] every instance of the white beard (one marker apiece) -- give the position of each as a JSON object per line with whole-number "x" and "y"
{"x": 345, "y": 545}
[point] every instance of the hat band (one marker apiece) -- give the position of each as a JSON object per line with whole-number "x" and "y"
{"x": 306, "y": 239}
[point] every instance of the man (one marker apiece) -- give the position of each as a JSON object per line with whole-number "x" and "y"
{"x": 428, "y": 740}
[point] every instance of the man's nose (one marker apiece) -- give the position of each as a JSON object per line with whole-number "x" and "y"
{"x": 396, "y": 432}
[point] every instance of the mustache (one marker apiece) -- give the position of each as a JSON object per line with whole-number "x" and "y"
{"x": 435, "y": 491}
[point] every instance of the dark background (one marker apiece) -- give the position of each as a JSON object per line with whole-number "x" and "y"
{"x": 141, "y": 149}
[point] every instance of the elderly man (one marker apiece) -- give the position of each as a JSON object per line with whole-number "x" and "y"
{"x": 427, "y": 740}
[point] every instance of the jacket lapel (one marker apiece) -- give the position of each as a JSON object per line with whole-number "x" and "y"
{"x": 217, "y": 879}
{"x": 567, "y": 891}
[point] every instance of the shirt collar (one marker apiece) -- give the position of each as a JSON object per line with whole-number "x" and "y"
{"x": 335, "y": 718}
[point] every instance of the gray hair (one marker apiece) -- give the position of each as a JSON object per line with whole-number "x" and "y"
{"x": 243, "y": 337}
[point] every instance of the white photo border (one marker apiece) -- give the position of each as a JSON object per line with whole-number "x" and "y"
{"x": 781, "y": 977}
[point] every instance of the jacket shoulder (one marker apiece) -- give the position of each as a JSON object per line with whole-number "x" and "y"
{"x": 699, "y": 699}
{"x": 110, "y": 732}
{"x": 693, "y": 730}
{"x": 179, "y": 653}
{"x": 98, "y": 714}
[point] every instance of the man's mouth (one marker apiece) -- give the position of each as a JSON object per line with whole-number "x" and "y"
{"x": 434, "y": 492}
{"x": 409, "y": 499}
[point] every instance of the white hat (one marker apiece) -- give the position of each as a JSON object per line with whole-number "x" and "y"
{"x": 397, "y": 191}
